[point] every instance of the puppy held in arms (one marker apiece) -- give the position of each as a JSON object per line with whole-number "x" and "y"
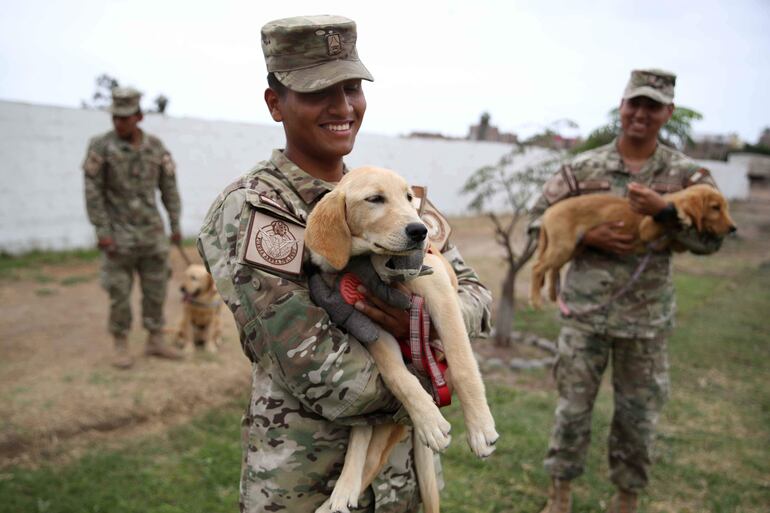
{"x": 565, "y": 223}
{"x": 201, "y": 306}
{"x": 370, "y": 217}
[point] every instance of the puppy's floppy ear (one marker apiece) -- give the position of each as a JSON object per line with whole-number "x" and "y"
{"x": 691, "y": 210}
{"x": 327, "y": 233}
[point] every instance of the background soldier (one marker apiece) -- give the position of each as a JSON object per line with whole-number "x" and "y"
{"x": 633, "y": 327}
{"x": 310, "y": 380}
{"x": 123, "y": 169}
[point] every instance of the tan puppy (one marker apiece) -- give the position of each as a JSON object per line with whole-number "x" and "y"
{"x": 370, "y": 211}
{"x": 565, "y": 223}
{"x": 202, "y": 305}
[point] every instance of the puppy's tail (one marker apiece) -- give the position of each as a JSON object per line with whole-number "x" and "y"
{"x": 426, "y": 476}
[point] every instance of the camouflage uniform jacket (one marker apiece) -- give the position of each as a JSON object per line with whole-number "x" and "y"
{"x": 647, "y": 309}
{"x": 310, "y": 381}
{"x": 120, "y": 185}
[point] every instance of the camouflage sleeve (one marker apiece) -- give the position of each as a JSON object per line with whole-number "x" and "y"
{"x": 169, "y": 193}
{"x": 689, "y": 237}
{"x": 560, "y": 186}
{"x": 329, "y": 372}
{"x": 475, "y": 298}
{"x": 93, "y": 168}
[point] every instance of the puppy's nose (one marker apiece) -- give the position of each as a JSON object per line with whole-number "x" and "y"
{"x": 733, "y": 229}
{"x": 416, "y": 231}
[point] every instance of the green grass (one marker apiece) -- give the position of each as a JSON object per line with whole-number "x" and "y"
{"x": 711, "y": 455}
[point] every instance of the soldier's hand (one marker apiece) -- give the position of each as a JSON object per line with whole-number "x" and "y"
{"x": 393, "y": 320}
{"x": 608, "y": 237}
{"x": 644, "y": 200}
{"x": 176, "y": 237}
{"x": 107, "y": 244}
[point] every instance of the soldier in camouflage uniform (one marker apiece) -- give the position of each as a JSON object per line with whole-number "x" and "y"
{"x": 631, "y": 328}
{"x": 123, "y": 169}
{"x": 310, "y": 380}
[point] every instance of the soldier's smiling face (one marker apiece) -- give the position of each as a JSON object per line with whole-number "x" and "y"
{"x": 319, "y": 126}
{"x": 642, "y": 117}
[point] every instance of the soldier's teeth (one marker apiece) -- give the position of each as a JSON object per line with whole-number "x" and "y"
{"x": 338, "y": 128}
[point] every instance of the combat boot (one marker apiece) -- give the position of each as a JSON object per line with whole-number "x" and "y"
{"x": 559, "y": 497}
{"x": 623, "y": 502}
{"x": 122, "y": 359}
{"x": 156, "y": 346}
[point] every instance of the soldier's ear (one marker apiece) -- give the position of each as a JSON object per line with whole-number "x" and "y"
{"x": 327, "y": 233}
{"x": 273, "y": 102}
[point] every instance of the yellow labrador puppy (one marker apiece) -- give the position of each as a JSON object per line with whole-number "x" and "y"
{"x": 370, "y": 212}
{"x": 201, "y": 311}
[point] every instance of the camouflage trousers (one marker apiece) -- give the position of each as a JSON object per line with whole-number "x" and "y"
{"x": 118, "y": 278}
{"x": 641, "y": 386}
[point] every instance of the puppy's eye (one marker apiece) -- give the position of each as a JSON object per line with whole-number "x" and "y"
{"x": 715, "y": 207}
{"x": 376, "y": 198}
{"x": 409, "y": 196}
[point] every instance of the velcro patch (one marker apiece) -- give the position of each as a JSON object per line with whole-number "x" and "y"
{"x": 93, "y": 163}
{"x": 594, "y": 186}
{"x": 274, "y": 243}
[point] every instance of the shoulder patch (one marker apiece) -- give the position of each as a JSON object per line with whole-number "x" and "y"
{"x": 438, "y": 227}
{"x": 93, "y": 163}
{"x": 168, "y": 165}
{"x": 699, "y": 176}
{"x": 274, "y": 243}
{"x": 420, "y": 195}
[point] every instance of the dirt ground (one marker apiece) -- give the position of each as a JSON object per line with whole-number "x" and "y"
{"x": 59, "y": 395}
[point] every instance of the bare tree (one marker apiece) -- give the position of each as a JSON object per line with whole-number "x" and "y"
{"x": 102, "y": 97}
{"x": 504, "y": 192}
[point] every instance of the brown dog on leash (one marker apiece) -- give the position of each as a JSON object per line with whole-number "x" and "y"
{"x": 201, "y": 323}
{"x": 371, "y": 212}
{"x": 565, "y": 223}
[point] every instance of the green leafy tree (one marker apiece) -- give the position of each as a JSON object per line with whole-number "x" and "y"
{"x": 102, "y": 96}
{"x": 675, "y": 133}
{"x": 504, "y": 192}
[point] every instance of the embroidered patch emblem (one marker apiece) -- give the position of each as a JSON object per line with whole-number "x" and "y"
{"x": 438, "y": 227}
{"x": 333, "y": 44}
{"x": 274, "y": 244}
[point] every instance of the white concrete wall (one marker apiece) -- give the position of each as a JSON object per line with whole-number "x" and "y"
{"x": 42, "y": 149}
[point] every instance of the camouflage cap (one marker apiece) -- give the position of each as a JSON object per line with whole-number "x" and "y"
{"x": 310, "y": 53}
{"x": 652, "y": 83}
{"x": 125, "y": 101}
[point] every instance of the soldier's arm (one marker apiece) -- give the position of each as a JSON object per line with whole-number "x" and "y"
{"x": 93, "y": 167}
{"x": 169, "y": 193}
{"x": 328, "y": 371}
{"x": 475, "y": 298}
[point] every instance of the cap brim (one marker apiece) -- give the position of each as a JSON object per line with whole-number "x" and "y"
{"x": 321, "y": 76}
{"x": 649, "y": 92}
{"x": 124, "y": 111}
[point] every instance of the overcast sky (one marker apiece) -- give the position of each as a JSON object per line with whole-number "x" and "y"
{"x": 437, "y": 64}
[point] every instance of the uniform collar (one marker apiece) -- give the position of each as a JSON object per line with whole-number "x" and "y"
{"x": 309, "y": 188}
{"x": 127, "y": 146}
{"x": 654, "y": 165}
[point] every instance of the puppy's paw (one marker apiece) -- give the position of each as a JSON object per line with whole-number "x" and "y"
{"x": 433, "y": 430}
{"x": 482, "y": 440}
{"x": 210, "y": 347}
{"x": 342, "y": 500}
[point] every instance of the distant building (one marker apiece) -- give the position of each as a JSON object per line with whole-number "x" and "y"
{"x": 713, "y": 146}
{"x": 432, "y": 135}
{"x": 484, "y": 131}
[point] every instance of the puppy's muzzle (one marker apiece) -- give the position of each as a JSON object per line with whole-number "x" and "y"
{"x": 416, "y": 232}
